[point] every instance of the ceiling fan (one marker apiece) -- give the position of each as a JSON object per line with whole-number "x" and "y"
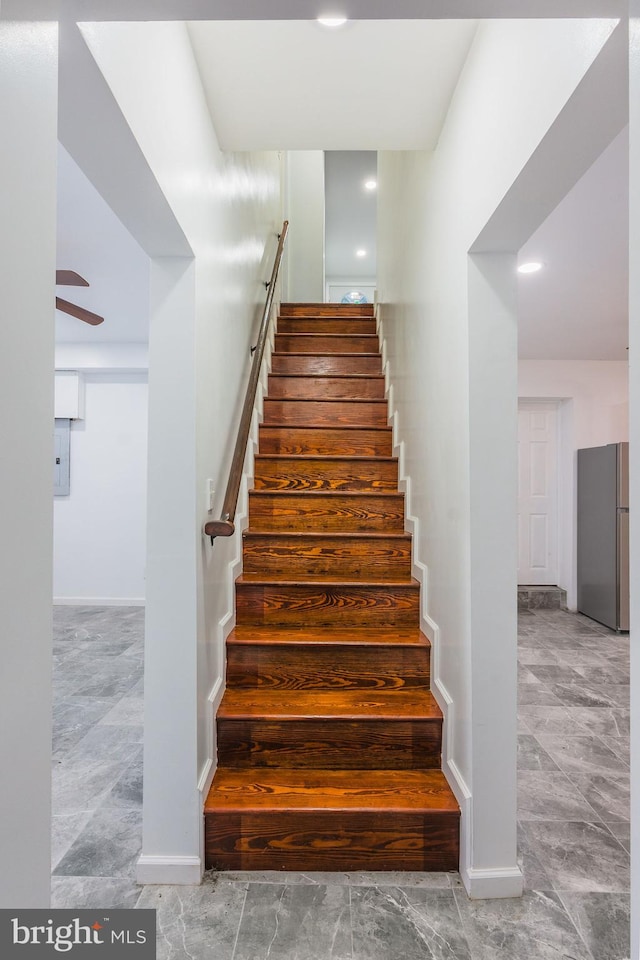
{"x": 68, "y": 278}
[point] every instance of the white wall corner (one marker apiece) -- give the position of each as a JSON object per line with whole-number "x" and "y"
{"x": 169, "y": 870}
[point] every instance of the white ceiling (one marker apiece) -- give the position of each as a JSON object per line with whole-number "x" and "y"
{"x": 295, "y": 85}
{"x": 94, "y": 243}
{"x": 577, "y": 306}
{"x": 295, "y": 9}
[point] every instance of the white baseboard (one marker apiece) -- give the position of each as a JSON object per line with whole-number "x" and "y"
{"x": 169, "y": 870}
{"x": 99, "y": 601}
{"x": 206, "y": 778}
{"x": 209, "y": 766}
{"x": 496, "y": 883}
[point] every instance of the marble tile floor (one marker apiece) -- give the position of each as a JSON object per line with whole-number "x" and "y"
{"x": 98, "y": 655}
{"x": 573, "y": 821}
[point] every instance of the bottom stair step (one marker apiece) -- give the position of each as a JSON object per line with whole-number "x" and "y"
{"x": 273, "y": 819}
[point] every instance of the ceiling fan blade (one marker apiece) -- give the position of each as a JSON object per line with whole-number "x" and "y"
{"x": 69, "y": 278}
{"x": 78, "y": 312}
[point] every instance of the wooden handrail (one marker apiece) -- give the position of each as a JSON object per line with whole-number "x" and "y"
{"x": 224, "y": 527}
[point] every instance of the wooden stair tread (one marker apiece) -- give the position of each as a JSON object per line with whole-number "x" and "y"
{"x": 346, "y": 308}
{"x": 291, "y": 637}
{"x": 326, "y": 493}
{"x": 319, "y": 440}
{"x": 328, "y": 356}
{"x": 322, "y": 325}
{"x": 325, "y": 472}
{"x": 375, "y": 584}
{"x": 333, "y": 317}
{"x": 324, "y": 456}
{"x": 287, "y": 789}
{"x": 328, "y": 376}
{"x": 321, "y": 535}
{"x": 332, "y": 314}
{"x": 320, "y": 426}
{"x": 289, "y": 411}
{"x": 320, "y": 343}
{"x": 274, "y": 508}
{"x": 326, "y": 309}
{"x": 320, "y": 582}
{"x": 409, "y": 703}
{"x": 294, "y": 364}
{"x": 344, "y": 336}
{"x": 335, "y": 400}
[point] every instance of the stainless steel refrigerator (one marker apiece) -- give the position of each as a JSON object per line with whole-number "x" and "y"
{"x": 603, "y": 534}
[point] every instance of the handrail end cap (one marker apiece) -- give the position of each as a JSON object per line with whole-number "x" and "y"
{"x": 219, "y": 528}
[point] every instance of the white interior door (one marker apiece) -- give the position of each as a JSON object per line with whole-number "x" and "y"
{"x": 537, "y": 492}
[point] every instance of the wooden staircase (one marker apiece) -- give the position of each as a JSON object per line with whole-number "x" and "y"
{"x": 329, "y": 739}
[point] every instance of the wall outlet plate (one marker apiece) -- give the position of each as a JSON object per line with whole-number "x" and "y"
{"x": 210, "y": 495}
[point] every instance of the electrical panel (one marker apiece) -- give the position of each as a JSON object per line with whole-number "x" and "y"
{"x": 61, "y": 460}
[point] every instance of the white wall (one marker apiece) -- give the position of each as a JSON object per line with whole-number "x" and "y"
{"x": 94, "y": 242}
{"x": 103, "y": 357}
{"x": 100, "y": 528}
{"x": 28, "y": 117}
{"x": 598, "y": 389}
{"x": 303, "y": 266}
{"x": 450, "y": 328}
{"x": 593, "y": 410}
{"x": 634, "y": 454}
{"x": 203, "y": 319}
{"x": 350, "y": 215}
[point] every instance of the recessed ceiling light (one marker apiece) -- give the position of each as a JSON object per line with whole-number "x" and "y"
{"x": 332, "y": 21}
{"x": 361, "y": 253}
{"x": 370, "y": 184}
{"x": 531, "y": 267}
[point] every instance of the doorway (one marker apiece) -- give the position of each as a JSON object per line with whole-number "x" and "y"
{"x": 538, "y": 492}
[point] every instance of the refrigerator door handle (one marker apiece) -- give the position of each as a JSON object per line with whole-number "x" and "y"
{"x": 623, "y": 474}
{"x": 623, "y": 569}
